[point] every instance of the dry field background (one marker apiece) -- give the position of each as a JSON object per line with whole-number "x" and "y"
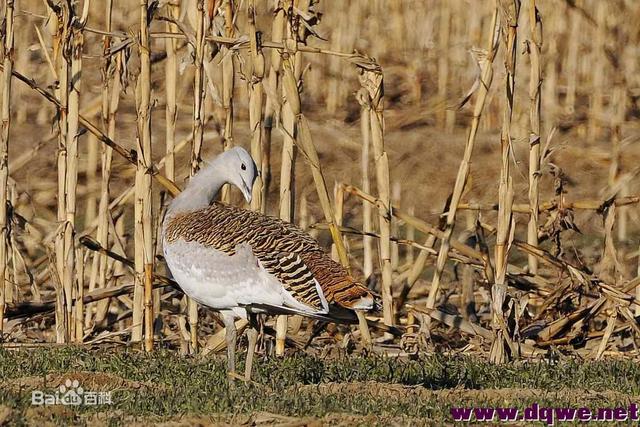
{"x": 505, "y": 138}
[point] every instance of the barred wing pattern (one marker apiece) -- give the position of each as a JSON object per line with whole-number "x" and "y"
{"x": 295, "y": 276}
{"x": 284, "y": 250}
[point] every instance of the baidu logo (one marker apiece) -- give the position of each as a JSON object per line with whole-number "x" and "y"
{"x": 70, "y": 394}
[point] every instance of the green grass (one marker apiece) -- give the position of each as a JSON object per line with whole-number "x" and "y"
{"x": 176, "y": 386}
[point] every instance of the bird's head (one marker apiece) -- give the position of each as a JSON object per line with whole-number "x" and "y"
{"x": 239, "y": 169}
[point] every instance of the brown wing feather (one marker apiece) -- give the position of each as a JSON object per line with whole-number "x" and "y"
{"x": 273, "y": 241}
{"x": 337, "y": 284}
{"x": 295, "y": 276}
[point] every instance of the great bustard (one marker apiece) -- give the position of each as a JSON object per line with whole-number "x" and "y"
{"x": 242, "y": 263}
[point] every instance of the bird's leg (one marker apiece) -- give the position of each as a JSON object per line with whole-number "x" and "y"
{"x": 230, "y": 338}
{"x": 252, "y": 337}
{"x": 261, "y": 320}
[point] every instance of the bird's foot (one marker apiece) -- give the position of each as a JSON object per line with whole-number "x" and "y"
{"x": 233, "y": 376}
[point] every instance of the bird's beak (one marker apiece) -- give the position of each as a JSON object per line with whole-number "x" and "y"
{"x": 246, "y": 191}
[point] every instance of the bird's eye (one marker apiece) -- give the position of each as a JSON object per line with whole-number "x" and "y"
{"x": 244, "y": 167}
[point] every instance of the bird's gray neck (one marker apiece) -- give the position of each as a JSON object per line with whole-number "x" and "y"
{"x": 200, "y": 191}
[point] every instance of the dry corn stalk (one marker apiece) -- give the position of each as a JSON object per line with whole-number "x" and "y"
{"x": 79, "y": 296}
{"x": 91, "y": 211}
{"x": 171, "y": 117}
{"x": 367, "y": 226}
{"x": 21, "y": 62}
{"x": 60, "y": 313}
{"x": 338, "y": 199}
{"x": 198, "y": 89}
{"x": 142, "y": 300}
{"x": 272, "y": 105}
{"x": 572, "y": 58}
{"x": 307, "y": 147}
{"x": 228, "y": 72}
{"x": 171, "y": 112}
{"x": 371, "y": 80}
{"x": 396, "y": 194}
{"x": 198, "y": 138}
{"x": 411, "y": 236}
{"x": 110, "y": 100}
{"x": 535, "y": 82}
{"x": 5, "y": 121}
{"x": 290, "y": 110}
{"x": 256, "y": 93}
{"x": 70, "y": 282}
{"x": 339, "y": 252}
{"x": 61, "y": 40}
{"x": 510, "y": 10}
{"x": 14, "y": 274}
{"x": 91, "y": 170}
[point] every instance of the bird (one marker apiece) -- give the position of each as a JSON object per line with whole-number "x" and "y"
{"x": 243, "y": 263}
